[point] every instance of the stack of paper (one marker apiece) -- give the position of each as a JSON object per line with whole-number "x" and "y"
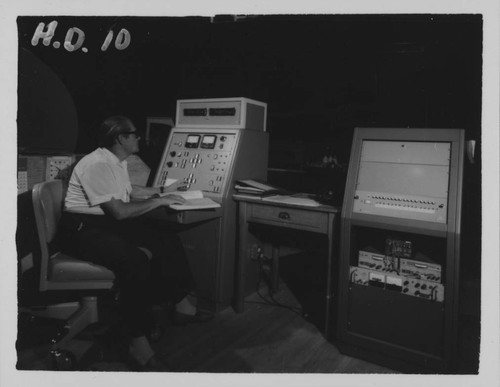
{"x": 292, "y": 199}
{"x": 254, "y": 187}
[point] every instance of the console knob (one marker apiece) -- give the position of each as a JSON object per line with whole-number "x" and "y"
{"x": 169, "y": 164}
{"x": 173, "y": 153}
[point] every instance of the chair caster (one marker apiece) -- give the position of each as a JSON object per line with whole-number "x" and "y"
{"x": 63, "y": 360}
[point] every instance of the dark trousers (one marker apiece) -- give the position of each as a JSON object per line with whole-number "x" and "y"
{"x": 115, "y": 245}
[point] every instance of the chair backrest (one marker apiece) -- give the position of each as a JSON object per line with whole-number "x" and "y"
{"x": 59, "y": 271}
{"x": 48, "y": 199}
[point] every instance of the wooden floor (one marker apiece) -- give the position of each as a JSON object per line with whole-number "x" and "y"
{"x": 263, "y": 339}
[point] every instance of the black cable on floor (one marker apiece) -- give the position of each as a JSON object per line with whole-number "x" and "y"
{"x": 272, "y": 301}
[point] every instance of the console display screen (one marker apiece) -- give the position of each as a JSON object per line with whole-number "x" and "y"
{"x": 230, "y": 112}
{"x": 192, "y": 141}
{"x": 195, "y": 112}
{"x": 208, "y": 142}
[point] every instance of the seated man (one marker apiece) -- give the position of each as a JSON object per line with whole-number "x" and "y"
{"x": 101, "y": 223}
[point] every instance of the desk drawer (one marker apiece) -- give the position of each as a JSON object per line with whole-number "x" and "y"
{"x": 291, "y": 217}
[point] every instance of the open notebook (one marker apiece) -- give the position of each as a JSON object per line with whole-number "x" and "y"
{"x": 194, "y": 201}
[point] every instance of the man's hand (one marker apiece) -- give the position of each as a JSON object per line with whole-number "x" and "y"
{"x": 171, "y": 199}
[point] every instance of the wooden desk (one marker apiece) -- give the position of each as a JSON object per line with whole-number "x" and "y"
{"x": 320, "y": 219}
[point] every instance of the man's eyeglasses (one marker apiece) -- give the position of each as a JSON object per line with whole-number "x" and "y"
{"x": 136, "y": 134}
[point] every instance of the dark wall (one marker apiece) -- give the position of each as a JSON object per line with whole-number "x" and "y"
{"x": 320, "y": 75}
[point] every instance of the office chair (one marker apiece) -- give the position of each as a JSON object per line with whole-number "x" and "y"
{"x": 61, "y": 272}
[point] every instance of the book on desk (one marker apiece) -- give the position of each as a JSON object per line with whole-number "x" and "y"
{"x": 194, "y": 200}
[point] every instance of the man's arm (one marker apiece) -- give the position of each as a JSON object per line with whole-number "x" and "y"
{"x": 139, "y": 191}
{"x": 121, "y": 210}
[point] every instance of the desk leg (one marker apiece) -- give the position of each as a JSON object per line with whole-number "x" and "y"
{"x": 240, "y": 256}
{"x": 275, "y": 260}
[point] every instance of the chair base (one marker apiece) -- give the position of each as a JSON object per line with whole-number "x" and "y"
{"x": 79, "y": 315}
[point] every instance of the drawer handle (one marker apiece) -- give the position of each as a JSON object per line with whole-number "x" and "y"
{"x": 284, "y": 215}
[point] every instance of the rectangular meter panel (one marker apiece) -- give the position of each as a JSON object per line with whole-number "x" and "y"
{"x": 201, "y": 159}
{"x": 406, "y": 152}
{"x": 234, "y": 113}
{"x": 403, "y": 179}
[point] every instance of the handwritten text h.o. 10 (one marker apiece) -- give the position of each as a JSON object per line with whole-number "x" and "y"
{"x": 75, "y": 38}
